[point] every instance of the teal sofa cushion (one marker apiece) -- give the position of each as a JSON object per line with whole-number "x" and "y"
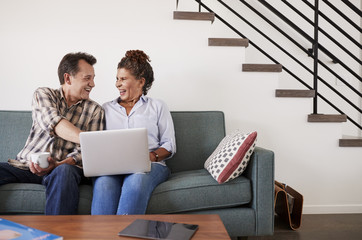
{"x": 14, "y": 130}
{"x": 22, "y": 198}
{"x": 196, "y": 190}
{"x": 29, "y": 198}
{"x": 197, "y": 133}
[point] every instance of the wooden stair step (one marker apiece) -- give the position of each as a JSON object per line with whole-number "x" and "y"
{"x": 262, "y": 67}
{"x": 234, "y": 42}
{"x": 295, "y": 93}
{"x": 357, "y": 142}
{"x": 327, "y": 118}
{"x": 205, "y": 16}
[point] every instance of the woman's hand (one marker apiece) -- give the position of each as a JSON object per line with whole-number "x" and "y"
{"x": 159, "y": 155}
{"x": 153, "y": 157}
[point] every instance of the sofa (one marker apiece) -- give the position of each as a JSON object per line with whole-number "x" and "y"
{"x": 244, "y": 204}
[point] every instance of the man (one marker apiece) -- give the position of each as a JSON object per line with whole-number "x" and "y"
{"x": 59, "y": 115}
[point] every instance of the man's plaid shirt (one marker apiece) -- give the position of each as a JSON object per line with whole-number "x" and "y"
{"x": 48, "y": 108}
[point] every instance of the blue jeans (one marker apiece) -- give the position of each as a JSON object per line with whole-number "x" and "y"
{"x": 62, "y": 191}
{"x": 126, "y": 194}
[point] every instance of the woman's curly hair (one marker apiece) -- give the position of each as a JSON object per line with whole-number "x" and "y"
{"x": 138, "y": 63}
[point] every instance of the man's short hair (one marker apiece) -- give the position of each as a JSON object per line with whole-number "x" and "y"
{"x": 69, "y": 64}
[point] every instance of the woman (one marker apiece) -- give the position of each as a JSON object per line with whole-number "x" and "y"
{"x": 129, "y": 194}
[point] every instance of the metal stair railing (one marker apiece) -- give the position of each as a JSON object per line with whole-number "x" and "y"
{"x": 306, "y": 36}
{"x": 320, "y": 62}
{"x": 345, "y": 18}
{"x": 352, "y": 7}
{"x": 296, "y": 60}
{"x": 325, "y": 33}
{"x": 314, "y": 53}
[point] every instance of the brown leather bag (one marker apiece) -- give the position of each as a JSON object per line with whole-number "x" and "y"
{"x": 288, "y": 205}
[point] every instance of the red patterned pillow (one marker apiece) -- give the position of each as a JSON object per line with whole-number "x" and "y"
{"x": 232, "y": 155}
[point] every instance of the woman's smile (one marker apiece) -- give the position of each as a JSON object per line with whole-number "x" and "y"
{"x": 130, "y": 88}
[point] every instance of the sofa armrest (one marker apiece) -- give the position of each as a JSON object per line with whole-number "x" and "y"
{"x": 260, "y": 171}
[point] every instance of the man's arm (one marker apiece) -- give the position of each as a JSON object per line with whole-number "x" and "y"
{"x": 67, "y": 131}
{"x": 95, "y": 124}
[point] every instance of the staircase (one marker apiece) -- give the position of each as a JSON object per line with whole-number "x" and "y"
{"x": 274, "y": 68}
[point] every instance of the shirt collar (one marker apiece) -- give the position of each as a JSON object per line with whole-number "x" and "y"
{"x": 61, "y": 93}
{"x": 63, "y": 98}
{"x": 143, "y": 98}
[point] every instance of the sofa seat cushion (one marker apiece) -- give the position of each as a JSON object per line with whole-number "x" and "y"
{"x": 29, "y": 198}
{"x": 23, "y": 198}
{"x": 197, "y": 190}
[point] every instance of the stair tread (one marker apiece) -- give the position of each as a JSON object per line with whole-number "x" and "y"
{"x": 294, "y": 93}
{"x": 327, "y": 118}
{"x": 262, "y": 67}
{"x": 207, "y": 16}
{"x": 183, "y": 15}
{"x": 354, "y": 142}
{"x": 238, "y": 42}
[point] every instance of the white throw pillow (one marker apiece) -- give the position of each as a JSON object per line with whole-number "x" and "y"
{"x": 232, "y": 155}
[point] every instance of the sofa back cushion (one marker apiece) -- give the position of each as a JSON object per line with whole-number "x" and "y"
{"x": 14, "y": 130}
{"x": 198, "y": 133}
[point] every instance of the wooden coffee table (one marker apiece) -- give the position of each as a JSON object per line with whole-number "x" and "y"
{"x": 108, "y": 226}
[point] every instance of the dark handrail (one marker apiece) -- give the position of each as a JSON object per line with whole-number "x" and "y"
{"x": 342, "y": 15}
{"x": 320, "y": 62}
{"x": 310, "y": 39}
{"x": 324, "y": 32}
{"x": 340, "y": 111}
{"x": 335, "y": 25}
{"x": 353, "y": 7}
{"x": 293, "y": 41}
{"x": 284, "y": 68}
{"x": 292, "y": 57}
{"x": 266, "y": 20}
{"x": 339, "y": 77}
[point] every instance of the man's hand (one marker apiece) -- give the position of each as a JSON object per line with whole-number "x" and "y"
{"x": 68, "y": 160}
{"x": 37, "y": 170}
{"x": 34, "y": 168}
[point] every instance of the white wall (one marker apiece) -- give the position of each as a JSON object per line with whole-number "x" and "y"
{"x": 189, "y": 76}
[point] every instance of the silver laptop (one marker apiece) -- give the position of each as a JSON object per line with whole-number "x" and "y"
{"x": 113, "y": 152}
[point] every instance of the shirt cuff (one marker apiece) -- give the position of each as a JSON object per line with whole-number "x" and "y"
{"x": 76, "y": 157}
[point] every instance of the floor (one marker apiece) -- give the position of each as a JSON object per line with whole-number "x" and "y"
{"x": 320, "y": 227}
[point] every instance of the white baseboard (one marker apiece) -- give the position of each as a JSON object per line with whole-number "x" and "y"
{"x": 332, "y": 209}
